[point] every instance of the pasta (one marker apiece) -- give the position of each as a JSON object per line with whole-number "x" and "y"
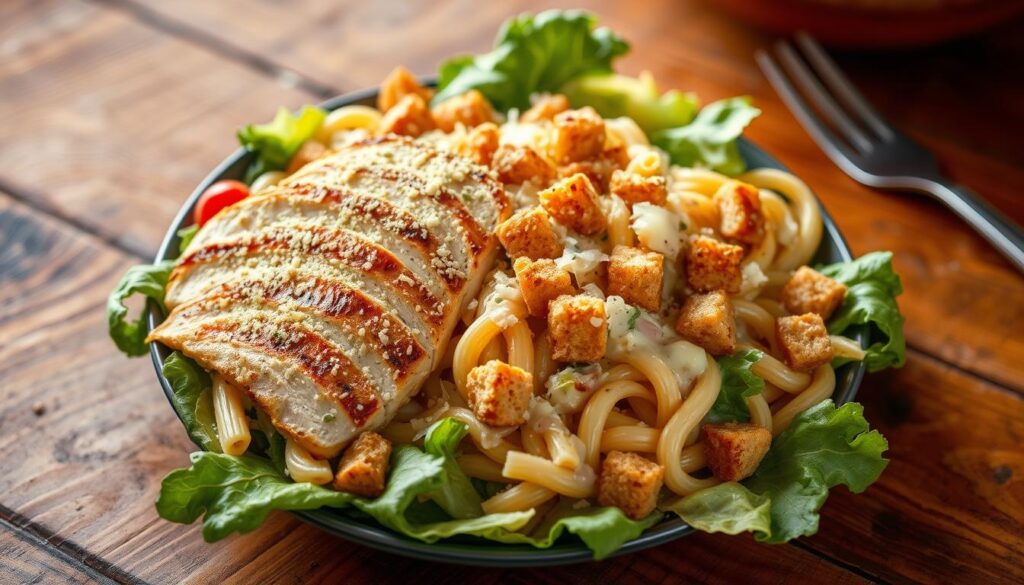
{"x": 232, "y": 424}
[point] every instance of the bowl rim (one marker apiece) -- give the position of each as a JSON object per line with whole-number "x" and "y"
{"x": 461, "y": 550}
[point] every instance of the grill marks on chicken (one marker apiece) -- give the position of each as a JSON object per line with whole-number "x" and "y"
{"x": 330, "y": 298}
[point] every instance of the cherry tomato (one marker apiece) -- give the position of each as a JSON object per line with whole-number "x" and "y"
{"x": 218, "y": 196}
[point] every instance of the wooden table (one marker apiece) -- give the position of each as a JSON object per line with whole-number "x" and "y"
{"x": 112, "y": 110}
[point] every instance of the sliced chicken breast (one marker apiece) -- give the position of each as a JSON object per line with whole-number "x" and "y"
{"x": 330, "y": 298}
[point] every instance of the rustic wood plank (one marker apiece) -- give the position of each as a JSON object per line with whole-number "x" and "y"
{"x": 26, "y": 560}
{"x": 117, "y": 123}
{"x": 950, "y": 285}
{"x": 88, "y": 435}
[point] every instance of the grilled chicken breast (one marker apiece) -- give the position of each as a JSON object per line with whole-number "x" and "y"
{"x": 331, "y": 297}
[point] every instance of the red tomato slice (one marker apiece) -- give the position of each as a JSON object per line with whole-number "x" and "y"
{"x": 218, "y": 196}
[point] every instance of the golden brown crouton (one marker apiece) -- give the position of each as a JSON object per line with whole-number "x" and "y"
{"x": 577, "y": 328}
{"x": 633, "y": 188}
{"x": 499, "y": 394}
{"x": 364, "y": 466}
{"x": 636, "y": 276}
{"x": 545, "y": 108}
{"x": 480, "y": 144}
{"x": 541, "y": 282}
{"x": 573, "y": 203}
{"x": 734, "y": 450}
{"x": 307, "y": 153}
{"x": 804, "y": 341}
{"x": 740, "y": 207}
{"x": 519, "y": 164}
{"x": 409, "y": 117}
{"x": 529, "y": 233}
{"x": 579, "y": 135}
{"x": 809, "y": 291}
{"x": 398, "y": 84}
{"x": 708, "y": 320}
{"x": 712, "y": 265}
{"x": 630, "y": 483}
{"x": 470, "y": 109}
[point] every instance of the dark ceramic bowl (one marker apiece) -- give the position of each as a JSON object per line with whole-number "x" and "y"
{"x": 470, "y": 550}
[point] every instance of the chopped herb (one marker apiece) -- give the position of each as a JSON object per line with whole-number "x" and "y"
{"x": 682, "y": 225}
{"x": 633, "y": 318}
{"x": 467, "y": 197}
{"x": 604, "y": 237}
{"x": 499, "y": 300}
{"x": 329, "y": 417}
{"x": 278, "y": 337}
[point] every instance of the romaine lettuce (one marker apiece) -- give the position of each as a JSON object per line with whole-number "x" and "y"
{"x": 638, "y": 98}
{"x": 457, "y": 497}
{"x": 710, "y": 139}
{"x": 532, "y": 54}
{"x": 277, "y": 141}
{"x": 739, "y": 382}
{"x": 148, "y": 280}
{"x": 871, "y": 298}
{"x": 193, "y": 399}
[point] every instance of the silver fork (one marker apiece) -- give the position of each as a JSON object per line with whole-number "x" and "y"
{"x": 870, "y": 150}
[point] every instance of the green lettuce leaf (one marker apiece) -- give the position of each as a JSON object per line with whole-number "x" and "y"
{"x": 603, "y": 530}
{"x": 824, "y": 447}
{"x": 727, "y": 507}
{"x": 710, "y": 139}
{"x": 185, "y": 236}
{"x": 148, "y": 280}
{"x": 873, "y": 286}
{"x": 638, "y": 98}
{"x": 277, "y": 141}
{"x": 193, "y": 399}
{"x": 532, "y": 54}
{"x": 457, "y": 497}
{"x": 236, "y": 494}
{"x": 739, "y": 382}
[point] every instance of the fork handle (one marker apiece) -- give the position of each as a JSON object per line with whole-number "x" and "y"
{"x": 1000, "y": 231}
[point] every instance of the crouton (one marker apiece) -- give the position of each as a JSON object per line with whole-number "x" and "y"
{"x": 809, "y": 291}
{"x": 734, "y": 450}
{"x": 364, "y": 466}
{"x": 529, "y": 233}
{"x": 708, "y": 320}
{"x": 712, "y": 265}
{"x": 307, "y": 153}
{"x": 409, "y": 117}
{"x": 480, "y": 144}
{"x": 630, "y": 483}
{"x": 636, "y": 276}
{"x": 804, "y": 341}
{"x": 469, "y": 109}
{"x": 545, "y": 108}
{"x": 577, "y": 328}
{"x": 633, "y": 188}
{"x": 740, "y": 208}
{"x": 579, "y": 136}
{"x": 499, "y": 394}
{"x": 540, "y": 282}
{"x": 398, "y": 84}
{"x": 519, "y": 164}
{"x": 573, "y": 203}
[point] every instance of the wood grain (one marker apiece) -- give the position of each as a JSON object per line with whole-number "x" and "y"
{"x": 26, "y": 560}
{"x": 117, "y": 123}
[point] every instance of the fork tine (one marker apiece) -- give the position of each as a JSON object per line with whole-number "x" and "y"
{"x": 833, "y": 147}
{"x": 827, "y": 69}
{"x": 811, "y": 86}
